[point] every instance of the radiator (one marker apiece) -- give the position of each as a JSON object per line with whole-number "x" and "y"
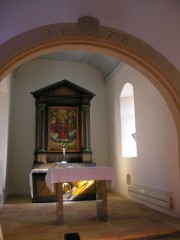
{"x": 153, "y": 196}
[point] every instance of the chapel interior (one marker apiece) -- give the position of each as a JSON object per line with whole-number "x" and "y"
{"x": 89, "y": 92}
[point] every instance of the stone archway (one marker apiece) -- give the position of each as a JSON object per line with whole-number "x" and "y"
{"x": 109, "y": 41}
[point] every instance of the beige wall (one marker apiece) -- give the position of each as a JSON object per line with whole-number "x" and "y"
{"x": 155, "y": 22}
{"x": 5, "y": 89}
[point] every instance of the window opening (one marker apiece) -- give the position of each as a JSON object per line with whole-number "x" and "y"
{"x": 128, "y": 126}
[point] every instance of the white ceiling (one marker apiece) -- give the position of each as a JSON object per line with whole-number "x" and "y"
{"x": 104, "y": 64}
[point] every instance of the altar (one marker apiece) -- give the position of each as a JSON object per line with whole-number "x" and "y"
{"x": 72, "y": 190}
{"x": 56, "y": 175}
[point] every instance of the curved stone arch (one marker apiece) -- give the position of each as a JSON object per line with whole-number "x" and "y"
{"x": 115, "y": 43}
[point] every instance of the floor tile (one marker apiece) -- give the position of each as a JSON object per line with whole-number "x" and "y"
{"x": 22, "y": 220}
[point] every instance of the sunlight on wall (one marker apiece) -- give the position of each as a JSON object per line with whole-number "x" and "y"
{"x": 4, "y": 123}
{"x": 128, "y": 126}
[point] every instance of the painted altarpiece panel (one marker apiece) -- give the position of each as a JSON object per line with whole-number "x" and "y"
{"x": 63, "y": 130}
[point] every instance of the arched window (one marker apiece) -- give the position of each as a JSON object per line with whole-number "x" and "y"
{"x": 128, "y": 125}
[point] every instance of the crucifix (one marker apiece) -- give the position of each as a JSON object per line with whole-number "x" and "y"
{"x": 64, "y": 150}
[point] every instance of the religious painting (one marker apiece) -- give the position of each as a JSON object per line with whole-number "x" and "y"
{"x": 63, "y": 129}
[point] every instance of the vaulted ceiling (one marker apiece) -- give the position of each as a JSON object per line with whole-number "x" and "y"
{"x": 104, "y": 64}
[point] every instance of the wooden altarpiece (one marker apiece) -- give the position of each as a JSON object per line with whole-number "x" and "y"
{"x": 62, "y": 131}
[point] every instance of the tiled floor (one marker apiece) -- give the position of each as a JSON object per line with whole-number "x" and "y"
{"x": 22, "y": 220}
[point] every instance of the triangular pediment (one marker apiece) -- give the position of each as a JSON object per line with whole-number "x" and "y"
{"x": 63, "y": 88}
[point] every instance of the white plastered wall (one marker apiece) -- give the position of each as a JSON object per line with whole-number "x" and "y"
{"x": 155, "y": 22}
{"x": 33, "y": 76}
{"x": 156, "y": 165}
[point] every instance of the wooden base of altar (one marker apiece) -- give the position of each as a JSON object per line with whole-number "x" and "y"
{"x": 101, "y": 201}
{"x": 79, "y": 190}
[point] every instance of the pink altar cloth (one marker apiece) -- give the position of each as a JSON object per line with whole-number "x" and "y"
{"x": 57, "y": 174}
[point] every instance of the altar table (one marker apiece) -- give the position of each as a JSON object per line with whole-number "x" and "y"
{"x": 56, "y": 175}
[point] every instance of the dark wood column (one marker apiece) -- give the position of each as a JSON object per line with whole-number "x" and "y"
{"x": 86, "y": 145}
{"x": 86, "y": 128}
{"x": 40, "y": 128}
